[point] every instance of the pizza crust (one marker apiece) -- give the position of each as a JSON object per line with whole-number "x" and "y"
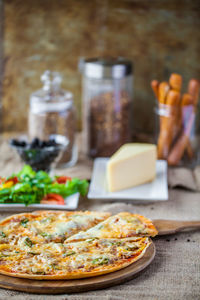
{"x": 151, "y": 228}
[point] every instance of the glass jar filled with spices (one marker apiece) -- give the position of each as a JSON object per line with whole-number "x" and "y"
{"x": 52, "y": 112}
{"x": 107, "y": 90}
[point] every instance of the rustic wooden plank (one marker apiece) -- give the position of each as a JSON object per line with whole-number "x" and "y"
{"x": 165, "y": 227}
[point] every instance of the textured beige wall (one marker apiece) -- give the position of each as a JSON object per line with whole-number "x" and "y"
{"x": 159, "y": 36}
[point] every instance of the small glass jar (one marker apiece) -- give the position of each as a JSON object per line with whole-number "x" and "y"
{"x": 52, "y": 112}
{"x": 177, "y": 141}
{"x": 107, "y": 92}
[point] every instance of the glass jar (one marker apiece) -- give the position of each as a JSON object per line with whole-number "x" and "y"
{"x": 177, "y": 139}
{"x": 107, "y": 90}
{"x": 52, "y": 112}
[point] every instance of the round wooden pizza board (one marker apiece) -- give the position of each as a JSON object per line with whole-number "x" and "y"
{"x": 79, "y": 285}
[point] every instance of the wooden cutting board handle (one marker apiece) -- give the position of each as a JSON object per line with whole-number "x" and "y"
{"x": 165, "y": 227}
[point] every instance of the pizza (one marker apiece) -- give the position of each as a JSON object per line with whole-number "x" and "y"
{"x": 121, "y": 225}
{"x": 47, "y": 226}
{"x": 44, "y": 244}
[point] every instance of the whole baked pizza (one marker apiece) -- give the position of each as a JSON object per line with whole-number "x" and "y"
{"x": 68, "y": 245}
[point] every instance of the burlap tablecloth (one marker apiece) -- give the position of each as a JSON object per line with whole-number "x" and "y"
{"x": 175, "y": 271}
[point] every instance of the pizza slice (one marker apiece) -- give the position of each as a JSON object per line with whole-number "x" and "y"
{"x": 121, "y": 225}
{"x": 87, "y": 258}
{"x": 46, "y": 226}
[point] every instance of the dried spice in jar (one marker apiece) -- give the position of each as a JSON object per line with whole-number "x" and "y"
{"x": 107, "y": 105}
{"x": 109, "y": 123}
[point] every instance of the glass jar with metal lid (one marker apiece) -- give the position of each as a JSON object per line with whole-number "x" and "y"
{"x": 107, "y": 90}
{"x": 52, "y": 112}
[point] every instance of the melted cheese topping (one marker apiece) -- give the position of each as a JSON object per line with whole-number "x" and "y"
{"x": 55, "y": 258}
{"x": 48, "y": 226}
{"x": 46, "y": 243}
{"x": 121, "y": 225}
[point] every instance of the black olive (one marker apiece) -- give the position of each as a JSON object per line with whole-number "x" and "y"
{"x": 35, "y": 154}
{"x": 35, "y": 143}
{"x": 23, "y": 144}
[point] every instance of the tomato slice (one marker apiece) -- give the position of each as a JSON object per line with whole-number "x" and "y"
{"x": 14, "y": 180}
{"x": 63, "y": 179}
{"x": 53, "y": 199}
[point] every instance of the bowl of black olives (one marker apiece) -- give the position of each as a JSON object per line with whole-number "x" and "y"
{"x": 40, "y": 154}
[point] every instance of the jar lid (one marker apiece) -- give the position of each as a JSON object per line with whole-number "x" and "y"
{"x": 105, "y": 67}
{"x": 51, "y": 98}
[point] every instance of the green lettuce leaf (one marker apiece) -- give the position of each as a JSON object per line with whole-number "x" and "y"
{"x": 33, "y": 186}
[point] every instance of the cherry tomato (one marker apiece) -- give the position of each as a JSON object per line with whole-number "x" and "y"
{"x": 63, "y": 179}
{"x": 53, "y": 199}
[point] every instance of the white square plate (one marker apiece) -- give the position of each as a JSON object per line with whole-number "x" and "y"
{"x": 156, "y": 190}
{"x": 71, "y": 203}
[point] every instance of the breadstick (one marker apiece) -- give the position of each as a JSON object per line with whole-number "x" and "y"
{"x": 177, "y": 152}
{"x": 178, "y": 121}
{"x": 188, "y": 109}
{"x": 175, "y": 81}
{"x": 155, "y": 86}
{"x": 162, "y": 91}
{"x": 179, "y": 148}
{"x": 168, "y": 124}
{"x": 173, "y": 98}
{"x": 193, "y": 89}
{"x": 189, "y": 151}
{"x": 187, "y": 100}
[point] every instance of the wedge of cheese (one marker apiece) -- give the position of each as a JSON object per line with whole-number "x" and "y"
{"x": 133, "y": 164}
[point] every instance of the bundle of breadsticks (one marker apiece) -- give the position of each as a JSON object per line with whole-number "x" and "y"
{"x": 176, "y": 117}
